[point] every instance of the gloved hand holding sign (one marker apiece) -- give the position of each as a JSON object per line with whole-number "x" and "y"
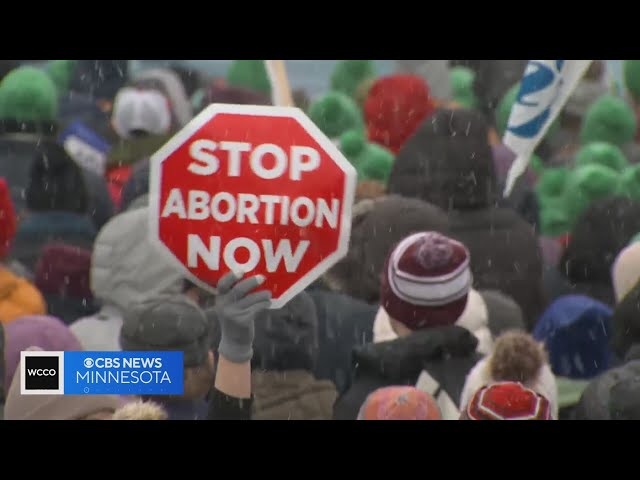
{"x": 236, "y": 309}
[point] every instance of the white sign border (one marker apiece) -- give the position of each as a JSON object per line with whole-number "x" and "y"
{"x": 266, "y": 111}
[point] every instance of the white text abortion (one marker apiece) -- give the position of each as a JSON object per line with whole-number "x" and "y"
{"x": 242, "y": 159}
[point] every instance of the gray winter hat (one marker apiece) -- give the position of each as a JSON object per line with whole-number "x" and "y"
{"x": 167, "y": 323}
{"x": 503, "y": 311}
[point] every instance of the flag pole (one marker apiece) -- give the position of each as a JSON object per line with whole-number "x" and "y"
{"x": 280, "y": 88}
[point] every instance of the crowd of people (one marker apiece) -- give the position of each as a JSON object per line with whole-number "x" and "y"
{"x": 451, "y": 303}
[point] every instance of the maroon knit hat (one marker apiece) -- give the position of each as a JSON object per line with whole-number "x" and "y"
{"x": 425, "y": 281}
{"x": 64, "y": 269}
{"x": 507, "y": 401}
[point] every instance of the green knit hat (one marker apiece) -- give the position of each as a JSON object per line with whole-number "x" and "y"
{"x": 630, "y": 182}
{"x": 27, "y": 94}
{"x": 554, "y": 221}
{"x": 60, "y": 72}
{"x": 550, "y": 190}
{"x": 462, "y": 79}
{"x": 601, "y": 153}
{"x": 372, "y": 161}
{"x": 349, "y": 74}
{"x": 552, "y": 184}
{"x": 608, "y": 119}
{"x": 632, "y": 77}
{"x": 335, "y": 113}
{"x": 250, "y": 74}
{"x": 586, "y": 184}
{"x": 503, "y": 110}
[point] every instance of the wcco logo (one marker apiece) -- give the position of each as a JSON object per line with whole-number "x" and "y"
{"x": 41, "y": 373}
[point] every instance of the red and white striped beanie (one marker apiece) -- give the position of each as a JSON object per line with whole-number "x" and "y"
{"x": 426, "y": 281}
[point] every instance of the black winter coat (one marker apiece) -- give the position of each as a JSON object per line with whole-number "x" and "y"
{"x": 446, "y": 353}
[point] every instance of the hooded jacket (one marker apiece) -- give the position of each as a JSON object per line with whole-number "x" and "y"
{"x": 449, "y": 163}
{"x": 125, "y": 269}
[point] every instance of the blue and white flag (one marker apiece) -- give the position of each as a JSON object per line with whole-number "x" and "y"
{"x": 545, "y": 88}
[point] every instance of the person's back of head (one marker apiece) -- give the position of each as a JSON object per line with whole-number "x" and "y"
{"x": 608, "y": 119}
{"x": 56, "y": 182}
{"x": 611, "y": 395}
{"x": 138, "y": 113}
{"x": 287, "y": 338}
{"x": 507, "y": 401}
{"x": 140, "y": 410}
{"x": 425, "y": 282}
{"x": 448, "y": 162}
{"x": 28, "y": 95}
{"x": 62, "y": 275}
{"x": 335, "y": 113}
{"x": 395, "y": 107}
{"x": 399, "y": 403}
{"x": 45, "y": 332}
{"x": 173, "y": 323}
{"x": 516, "y": 357}
{"x": 600, "y": 233}
{"x": 576, "y": 331}
{"x": 378, "y": 225}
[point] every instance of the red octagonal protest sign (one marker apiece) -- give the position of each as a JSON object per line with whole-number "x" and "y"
{"x": 254, "y": 189}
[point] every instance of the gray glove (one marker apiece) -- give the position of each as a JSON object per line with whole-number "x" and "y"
{"x": 236, "y": 312}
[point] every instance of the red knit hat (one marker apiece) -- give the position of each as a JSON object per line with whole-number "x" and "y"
{"x": 507, "y": 401}
{"x": 7, "y": 219}
{"x": 394, "y": 109}
{"x": 426, "y": 280}
{"x": 399, "y": 403}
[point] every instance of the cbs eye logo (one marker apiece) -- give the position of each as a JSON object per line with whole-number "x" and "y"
{"x": 41, "y": 372}
{"x": 88, "y": 363}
